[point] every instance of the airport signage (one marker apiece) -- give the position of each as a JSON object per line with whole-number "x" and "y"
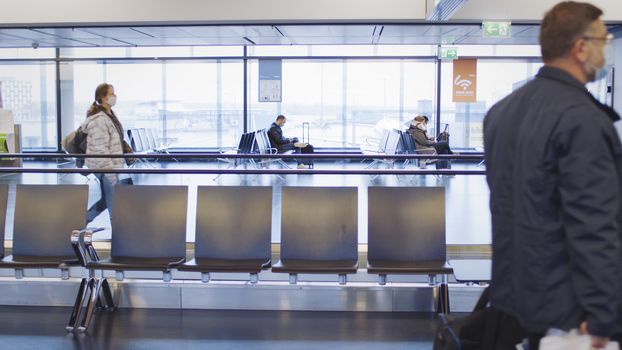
{"x": 447, "y": 53}
{"x": 496, "y": 29}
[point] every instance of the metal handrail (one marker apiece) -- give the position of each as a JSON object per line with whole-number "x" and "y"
{"x": 181, "y": 171}
{"x": 242, "y": 171}
{"x": 217, "y": 155}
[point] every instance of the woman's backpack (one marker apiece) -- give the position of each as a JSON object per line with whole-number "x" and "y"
{"x": 75, "y": 143}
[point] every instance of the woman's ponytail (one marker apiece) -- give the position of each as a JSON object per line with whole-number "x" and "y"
{"x": 100, "y": 92}
{"x": 94, "y": 109}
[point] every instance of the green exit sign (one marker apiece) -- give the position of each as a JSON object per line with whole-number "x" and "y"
{"x": 448, "y": 53}
{"x": 497, "y": 29}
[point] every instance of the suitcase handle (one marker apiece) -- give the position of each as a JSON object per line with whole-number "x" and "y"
{"x": 305, "y": 139}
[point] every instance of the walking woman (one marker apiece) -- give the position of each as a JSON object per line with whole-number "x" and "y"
{"x": 104, "y": 136}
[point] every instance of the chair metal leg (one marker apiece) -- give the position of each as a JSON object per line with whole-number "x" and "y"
{"x": 442, "y": 305}
{"x": 77, "y": 306}
{"x": 443, "y": 296}
{"x": 254, "y": 278}
{"x": 90, "y": 307}
{"x": 432, "y": 280}
{"x": 167, "y": 276}
{"x": 107, "y": 292}
{"x": 343, "y": 279}
{"x": 371, "y": 165}
{"x": 293, "y": 278}
{"x": 205, "y": 277}
{"x": 19, "y": 274}
{"x": 382, "y": 280}
{"x": 283, "y": 164}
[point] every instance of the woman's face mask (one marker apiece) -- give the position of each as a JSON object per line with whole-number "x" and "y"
{"x": 112, "y": 100}
{"x": 421, "y": 126}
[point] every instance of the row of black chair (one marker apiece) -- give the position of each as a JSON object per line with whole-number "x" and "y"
{"x": 233, "y": 228}
{"x": 145, "y": 140}
{"x": 245, "y": 146}
{"x": 254, "y": 142}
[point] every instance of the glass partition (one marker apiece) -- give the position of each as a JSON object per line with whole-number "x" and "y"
{"x": 193, "y": 104}
{"x": 28, "y": 89}
{"x": 347, "y": 102}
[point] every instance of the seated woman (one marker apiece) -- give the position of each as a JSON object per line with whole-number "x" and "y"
{"x": 418, "y": 131}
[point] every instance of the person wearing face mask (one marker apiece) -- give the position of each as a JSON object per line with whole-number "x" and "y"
{"x": 104, "y": 136}
{"x": 556, "y": 188}
{"x": 426, "y": 145}
{"x": 283, "y": 144}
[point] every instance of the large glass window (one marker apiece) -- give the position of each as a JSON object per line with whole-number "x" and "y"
{"x": 347, "y": 93}
{"x": 28, "y": 89}
{"x": 347, "y": 103}
{"x": 204, "y": 103}
{"x": 137, "y": 85}
{"x": 495, "y": 80}
{"x": 196, "y": 104}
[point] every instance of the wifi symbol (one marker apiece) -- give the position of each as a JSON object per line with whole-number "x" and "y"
{"x": 464, "y": 83}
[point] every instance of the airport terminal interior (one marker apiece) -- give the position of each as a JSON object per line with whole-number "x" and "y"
{"x": 222, "y": 242}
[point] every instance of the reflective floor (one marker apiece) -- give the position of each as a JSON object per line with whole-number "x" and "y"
{"x": 42, "y": 328}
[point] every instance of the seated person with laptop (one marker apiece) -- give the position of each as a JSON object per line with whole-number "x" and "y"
{"x": 418, "y": 131}
{"x": 283, "y": 144}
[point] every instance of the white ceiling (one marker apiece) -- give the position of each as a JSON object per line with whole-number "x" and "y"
{"x": 530, "y": 11}
{"x": 390, "y": 34}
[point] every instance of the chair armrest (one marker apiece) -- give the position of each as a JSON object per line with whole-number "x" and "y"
{"x": 230, "y": 149}
{"x": 82, "y": 244}
{"x": 371, "y": 141}
{"x": 166, "y": 142}
{"x": 426, "y": 150}
{"x": 271, "y": 150}
{"x": 175, "y": 264}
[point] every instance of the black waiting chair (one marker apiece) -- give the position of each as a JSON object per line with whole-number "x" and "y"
{"x": 407, "y": 144}
{"x": 389, "y": 146}
{"x": 318, "y": 231}
{"x": 147, "y": 147}
{"x": 140, "y": 144}
{"x": 245, "y": 146}
{"x": 148, "y": 234}
{"x": 265, "y": 147}
{"x": 135, "y": 141}
{"x": 45, "y": 216}
{"x": 406, "y": 230}
{"x": 151, "y": 141}
{"x": 233, "y": 231}
{"x": 148, "y": 229}
{"x": 4, "y": 195}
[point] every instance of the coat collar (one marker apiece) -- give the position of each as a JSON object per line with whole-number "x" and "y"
{"x": 557, "y": 74}
{"x": 561, "y": 76}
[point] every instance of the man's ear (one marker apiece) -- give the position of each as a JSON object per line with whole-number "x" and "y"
{"x": 579, "y": 51}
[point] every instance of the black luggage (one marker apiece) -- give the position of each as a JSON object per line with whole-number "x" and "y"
{"x": 484, "y": 329}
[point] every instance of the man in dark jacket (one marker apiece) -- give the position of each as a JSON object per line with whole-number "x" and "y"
{"x": 554, "y": 168}
{"x": 283, "y": 144}
{"x": 275, "y": 134}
